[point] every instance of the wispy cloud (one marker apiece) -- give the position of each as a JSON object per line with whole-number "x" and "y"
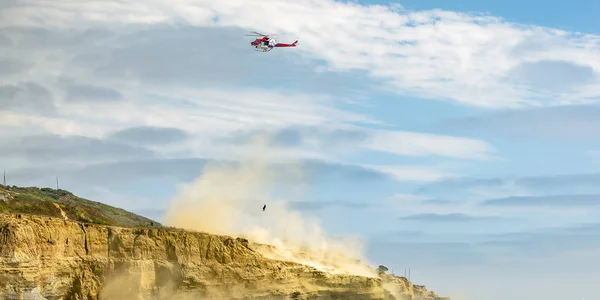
{"x": 546, "y": 201}
{"x": 563, "y": 242}
{"x": 28, "y": 97}
{"x": 536, "y": 250}
{"x": 147, "y": 135}
{"x": 497, "y": 66}
{"x": 344, "y": 137}
{"x": 110, "y": 89}
{"x": 114, "y": 163}
{"x": 53, "y": 150}
{"x": 418, "y": 144}
{"x": 412, "y": 173}
{"x": 86, "y": 93}
{"x": 321, "y": 205}
{"x": 572, "y": 122}
{"x": 408, "y": 198}
{"x": 452, "y": 217}
{"x": 515, "y": 185}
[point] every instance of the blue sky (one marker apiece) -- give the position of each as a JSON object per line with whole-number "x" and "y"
{"x": 572, "y": 16}
{"x": 459, "y": 139}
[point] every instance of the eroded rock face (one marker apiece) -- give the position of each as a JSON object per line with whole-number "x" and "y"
{"x": 50, "y": 258}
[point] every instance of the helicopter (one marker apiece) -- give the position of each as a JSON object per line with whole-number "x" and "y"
{"x": 266, "y": 43}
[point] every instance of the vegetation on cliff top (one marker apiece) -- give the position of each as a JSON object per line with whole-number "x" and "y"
{"x": 61, "y": 204}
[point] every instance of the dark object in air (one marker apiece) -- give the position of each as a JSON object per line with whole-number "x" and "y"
{"x": 264, "y": 207}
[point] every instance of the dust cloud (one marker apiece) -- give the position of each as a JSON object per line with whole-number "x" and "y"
{"x": 228, "y": 200}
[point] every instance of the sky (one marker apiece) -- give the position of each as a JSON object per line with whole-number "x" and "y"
{"x": 459, "y": 139}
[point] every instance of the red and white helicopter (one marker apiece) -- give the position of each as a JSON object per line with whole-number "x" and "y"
{"x": 266, "y": 42}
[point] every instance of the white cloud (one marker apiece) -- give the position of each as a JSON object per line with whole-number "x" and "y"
{"x": 435, "y": 54}
{"x": 410, "y": 173}
{"x": 209, "y": 113}
{"x": 419, "y": 144}
{"x": 216, "y": 111}
{"x": 21, "y": 123}
{"x": 58, "y": 58}
{"x": 408, "y": 197}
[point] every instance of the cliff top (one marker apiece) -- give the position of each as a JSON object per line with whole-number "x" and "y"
{"x": 63, "y": 204}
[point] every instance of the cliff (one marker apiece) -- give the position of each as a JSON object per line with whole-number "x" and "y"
{"x": 55, "y": 258}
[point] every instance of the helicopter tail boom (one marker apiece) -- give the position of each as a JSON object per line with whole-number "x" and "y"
{"x": 287, "y": 45}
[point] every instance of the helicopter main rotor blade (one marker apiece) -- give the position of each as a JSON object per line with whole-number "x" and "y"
{"x": 260, "y": 34}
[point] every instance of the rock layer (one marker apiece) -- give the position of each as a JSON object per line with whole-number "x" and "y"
{"x": 53, "y": 258}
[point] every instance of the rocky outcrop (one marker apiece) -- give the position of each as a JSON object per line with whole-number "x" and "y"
{"x": 54, "y": 258}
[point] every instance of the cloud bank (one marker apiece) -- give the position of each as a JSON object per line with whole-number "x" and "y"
{"x": 423, "y": 53}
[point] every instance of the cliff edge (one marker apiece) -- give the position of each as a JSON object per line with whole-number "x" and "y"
{"x": 47, "y": 257}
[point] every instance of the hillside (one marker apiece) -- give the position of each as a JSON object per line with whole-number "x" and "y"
{"x": 48, "y": 257}
{"x": 63, "y": 204}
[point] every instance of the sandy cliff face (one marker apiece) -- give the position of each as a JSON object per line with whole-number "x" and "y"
{"x": 51, "y": 258}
